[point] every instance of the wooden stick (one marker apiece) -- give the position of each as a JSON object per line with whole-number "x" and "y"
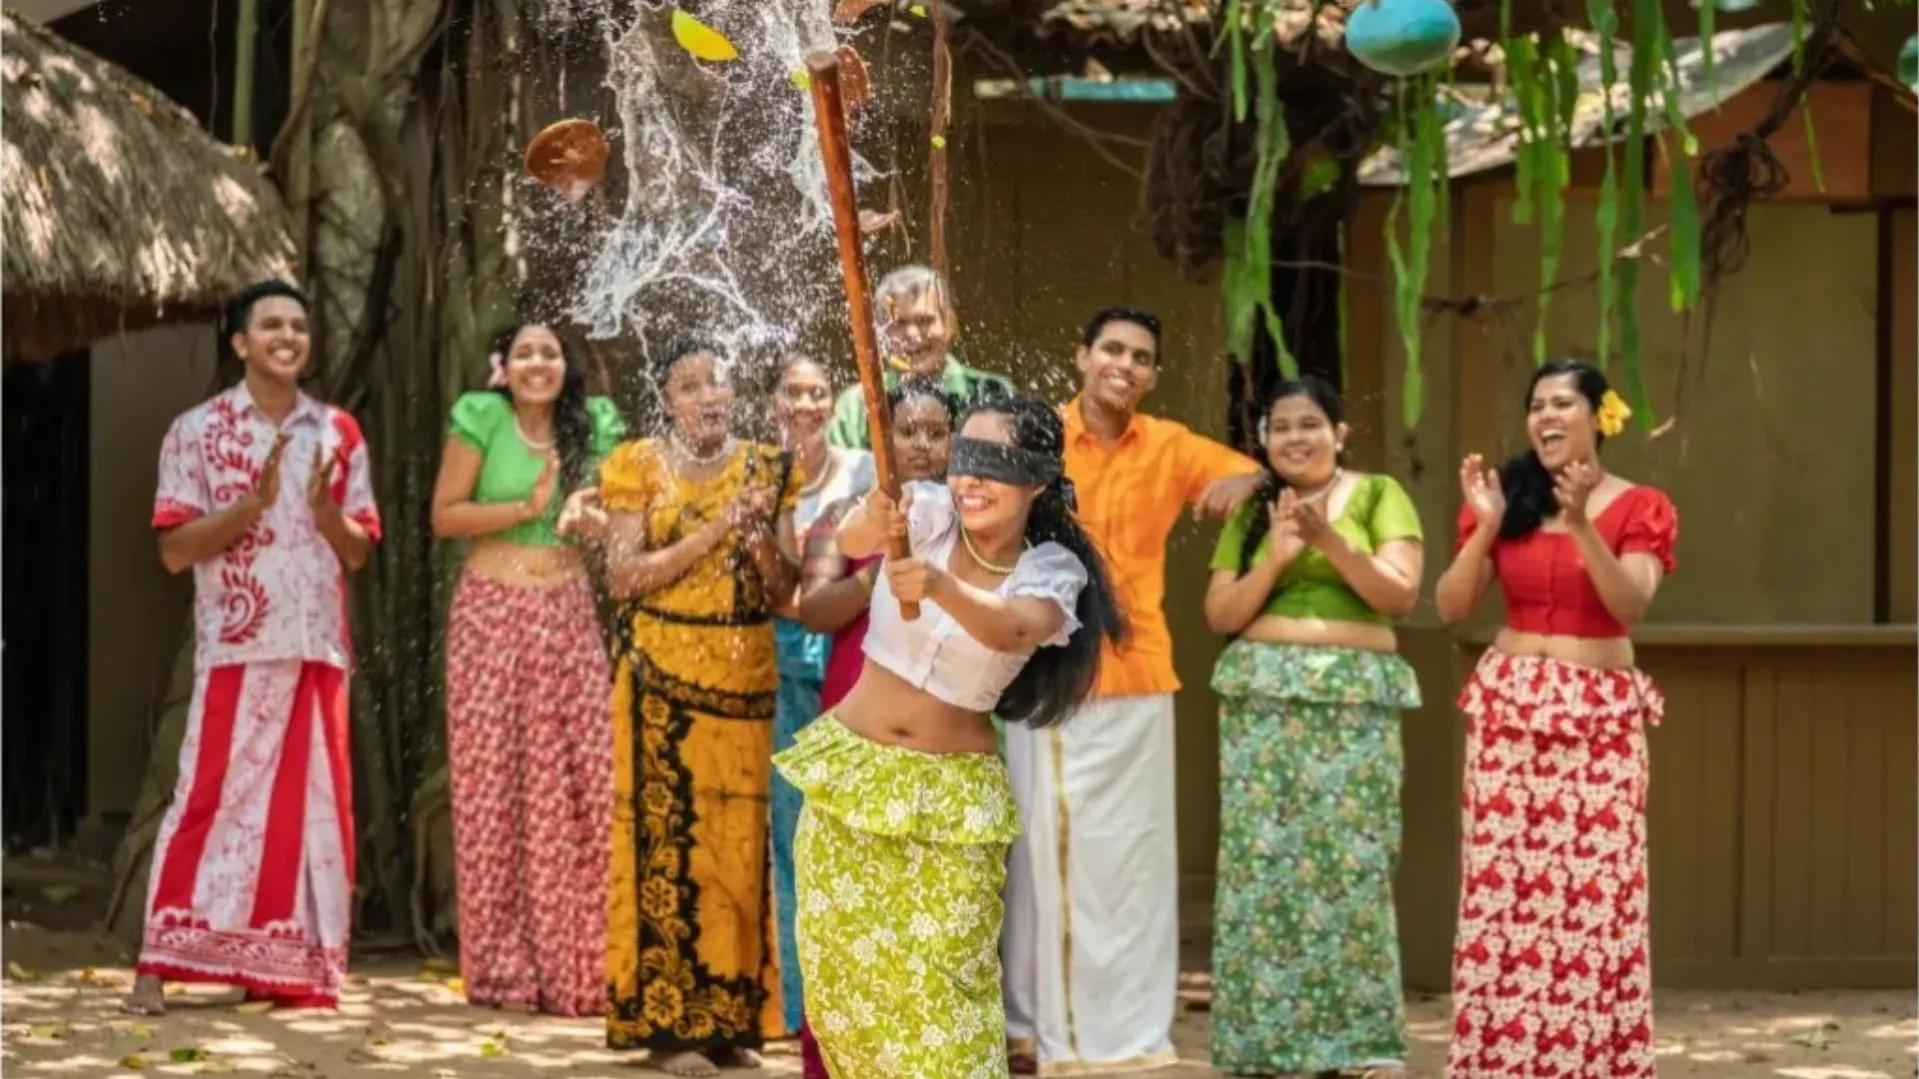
{"x": 829, "y": 116}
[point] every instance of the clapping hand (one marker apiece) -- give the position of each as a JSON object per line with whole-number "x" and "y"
{"x": 1479, "y": 486}
{"x": 320, "y": 486}
{"x": 1288, "y": 542}
{"x": 752, "y": 508}
{"x": 266, "y": 491}
{"x": 1573, "y": 487}
{"x": 582, "y": 515}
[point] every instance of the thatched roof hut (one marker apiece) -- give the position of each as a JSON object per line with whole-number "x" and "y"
{"x": 119, "y": 211}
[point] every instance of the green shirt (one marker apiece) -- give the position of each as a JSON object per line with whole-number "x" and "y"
{"x": 1377, "y": 513}
{"x": 962, "y": 383}
{"x": 508, "y": 470}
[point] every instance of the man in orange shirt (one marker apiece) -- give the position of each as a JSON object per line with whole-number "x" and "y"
{"x": 1092, "y": 922}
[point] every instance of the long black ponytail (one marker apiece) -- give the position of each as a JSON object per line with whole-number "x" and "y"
{"x": 1322, "y": 394}
{"x": 572, "y": 423}
{"x": 1524, "y": 479}
{"x": 1055, "y": 681}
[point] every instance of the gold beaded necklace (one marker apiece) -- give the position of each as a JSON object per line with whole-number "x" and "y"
{"x": 979, "y": 560}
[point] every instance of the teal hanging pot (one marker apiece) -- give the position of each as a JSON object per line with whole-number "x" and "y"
{"x": 1401, "y": 37}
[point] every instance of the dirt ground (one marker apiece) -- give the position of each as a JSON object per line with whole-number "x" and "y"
{"x": 59, "y": 1002}
{"x": 62, "y": 988}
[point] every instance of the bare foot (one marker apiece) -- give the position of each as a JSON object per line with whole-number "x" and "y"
{"x": 691, "y": 1065}
{"x": 1022, "y": 1060}
{"x": 149, "y": 997}
{"x": 739, "y": 1058}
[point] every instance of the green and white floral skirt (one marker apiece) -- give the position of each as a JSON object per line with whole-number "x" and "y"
{"x": 1305, "y": 943}
{"x": 900, "y": 858}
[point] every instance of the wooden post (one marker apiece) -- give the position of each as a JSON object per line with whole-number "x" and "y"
{"x": 244, "y": 34}
{"x": 829, "y": 116}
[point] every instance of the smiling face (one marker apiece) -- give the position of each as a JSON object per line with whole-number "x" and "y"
{"x": 535, "y": 366}
{"x": 802, "y": 402}
{"x": 1559, "y": 421}
{"x": 922, "y": 438}
{"x": 1302, "y": 442}
{"x": 918, "y": 331}
{"x": 989, "y": 508}
{"x": 275, "y": 342}
{"x": 1121, "y": 366}
{"x": 699, "y": 401}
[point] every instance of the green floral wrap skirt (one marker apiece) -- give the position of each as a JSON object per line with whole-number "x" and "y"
{"x": 1306, "y": 972}
{"x": 900, "y": 858}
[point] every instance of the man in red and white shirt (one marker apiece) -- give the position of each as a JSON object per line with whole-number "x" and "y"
{"x": 265, "y": 494}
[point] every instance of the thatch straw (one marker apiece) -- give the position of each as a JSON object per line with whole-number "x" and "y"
{"x": 119, "y": 211}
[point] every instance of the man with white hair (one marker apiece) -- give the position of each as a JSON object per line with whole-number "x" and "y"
{"x": 917, "y": 326}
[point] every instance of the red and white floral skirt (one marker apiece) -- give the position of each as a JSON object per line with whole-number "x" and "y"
{"x": 530, "y": 749}
{"x": 1551, "y": 966}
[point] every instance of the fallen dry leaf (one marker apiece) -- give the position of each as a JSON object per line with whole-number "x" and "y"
{"x": 189, "y": 1054}
{"x": 1819, "y": 1037}
{"x": 851, "y": 10}
{"x": 47, "y": 1031}
{"x": 21, "y": 974}
{"x": 133, "y": 1062}
{"x": 856, "y": 82}
{"x": 435, "y": 965}
{"x": 492, "y": 1049}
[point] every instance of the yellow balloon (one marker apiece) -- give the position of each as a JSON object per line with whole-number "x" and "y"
{"x": 704, "y": 42}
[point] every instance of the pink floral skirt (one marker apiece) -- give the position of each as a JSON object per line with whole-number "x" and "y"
{"x": 530, "y": 748}
{"x": 1551, "y": 967}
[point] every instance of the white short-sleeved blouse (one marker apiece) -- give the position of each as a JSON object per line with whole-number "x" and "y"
{"x": 934, "y": 653}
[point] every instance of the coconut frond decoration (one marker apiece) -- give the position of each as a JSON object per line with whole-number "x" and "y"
{"x": 119, "y": 210}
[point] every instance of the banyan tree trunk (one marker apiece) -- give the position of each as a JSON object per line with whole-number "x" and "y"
{"x": 404, "y": 193}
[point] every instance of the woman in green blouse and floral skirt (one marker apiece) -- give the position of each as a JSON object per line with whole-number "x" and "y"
{"x": 1308, "y": 579}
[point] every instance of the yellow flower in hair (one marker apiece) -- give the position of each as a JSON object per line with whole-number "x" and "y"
{"x": 1613, "y": 414}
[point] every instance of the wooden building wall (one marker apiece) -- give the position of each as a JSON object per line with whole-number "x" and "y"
{"x": 1783, "y": 805}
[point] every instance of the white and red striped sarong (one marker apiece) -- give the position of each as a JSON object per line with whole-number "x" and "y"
{"x": 1552, "y": 975}
{"x": 252, "y": 881}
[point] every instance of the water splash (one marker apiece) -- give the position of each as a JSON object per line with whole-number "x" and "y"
{"x": 726, "y": 230}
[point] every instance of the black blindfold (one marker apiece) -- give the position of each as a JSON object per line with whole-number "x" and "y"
{"x": 1001, "y": 463}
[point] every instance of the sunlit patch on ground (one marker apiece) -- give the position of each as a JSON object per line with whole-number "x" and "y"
{"x": 403, "y": 1017}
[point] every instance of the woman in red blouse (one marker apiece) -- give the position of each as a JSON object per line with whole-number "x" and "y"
{"x": 1550, "y": 967}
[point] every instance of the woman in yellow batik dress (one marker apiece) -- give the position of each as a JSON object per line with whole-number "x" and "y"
{"x": 700, "y": 546}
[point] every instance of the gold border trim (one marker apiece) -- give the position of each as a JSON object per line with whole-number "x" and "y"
{"x": 1139, "y": 1063}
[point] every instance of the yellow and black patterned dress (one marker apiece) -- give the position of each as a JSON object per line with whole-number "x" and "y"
{"x": 690, "y": 961}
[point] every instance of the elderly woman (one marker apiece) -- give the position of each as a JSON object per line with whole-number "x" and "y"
{"x": 700, "y": 551}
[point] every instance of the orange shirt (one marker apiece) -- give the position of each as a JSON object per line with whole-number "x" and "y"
{"x": 1131, "y": 494}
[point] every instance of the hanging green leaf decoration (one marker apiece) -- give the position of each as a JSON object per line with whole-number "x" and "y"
{"x": 1730, "y": 7}
{"x": 1560, "y": 76}
{"x": 1422, "y": 149}
{"x": 1801, "y": 12}
{"x": 1680, "y": 149}
{"x": 1248, "y": 241}
{"x": 1606, "y": 218}
{"x": 1909, "y": 62}
{"x": 1642, "y": 76}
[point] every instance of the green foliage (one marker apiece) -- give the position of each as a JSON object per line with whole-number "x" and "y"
{"x": 1541, "y": 83}
{"x": 1249, "y": 240}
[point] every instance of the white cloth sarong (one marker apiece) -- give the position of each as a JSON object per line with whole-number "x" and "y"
{"x": 1091, "y": 948}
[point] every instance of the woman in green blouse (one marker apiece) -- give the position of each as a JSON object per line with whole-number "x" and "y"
{"x": 529, "y": 741}
{"x": 1308, "y": 579}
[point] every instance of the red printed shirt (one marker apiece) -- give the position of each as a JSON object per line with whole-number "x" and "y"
{"x": 279, "y": 592}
